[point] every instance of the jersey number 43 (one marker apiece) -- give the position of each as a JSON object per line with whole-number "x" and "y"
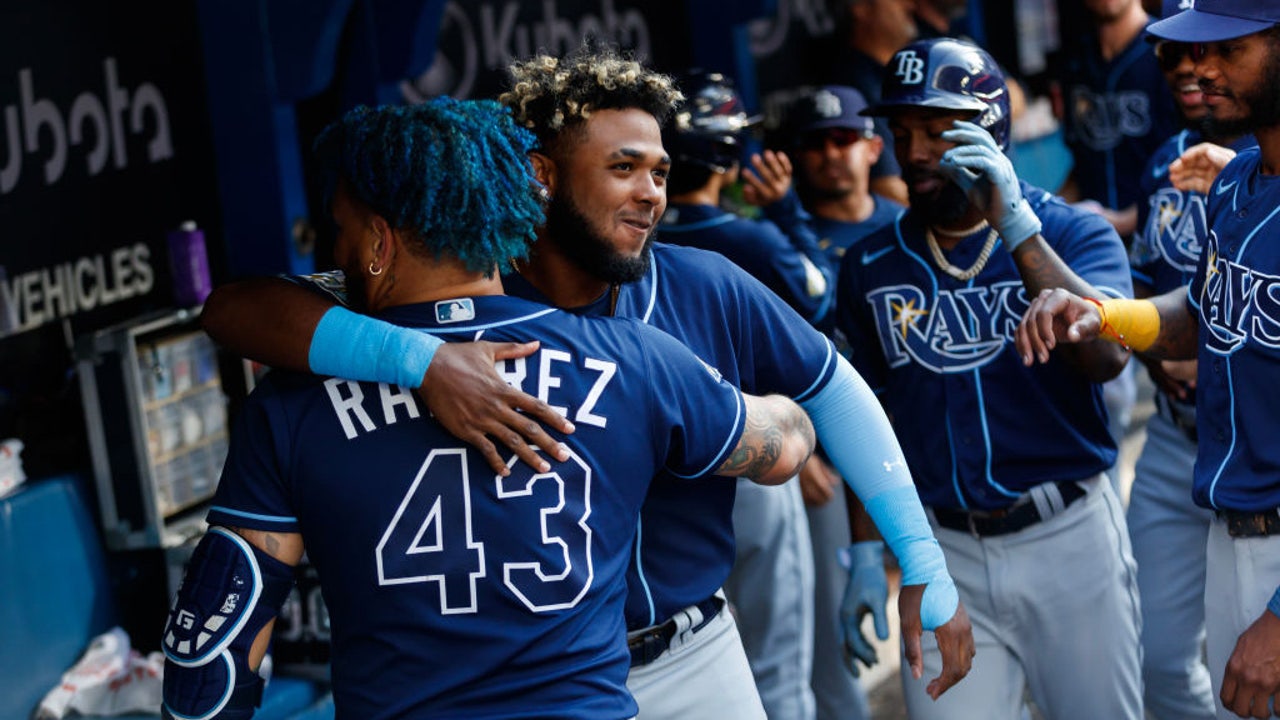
{"x": 432, "y": 535}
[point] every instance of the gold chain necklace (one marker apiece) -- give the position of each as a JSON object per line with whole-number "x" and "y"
{"x": 952, "y": 270}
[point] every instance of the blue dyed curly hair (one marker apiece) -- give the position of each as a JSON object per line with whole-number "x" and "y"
{"x": 455, "y": 174}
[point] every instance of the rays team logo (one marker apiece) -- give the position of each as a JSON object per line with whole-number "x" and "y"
{"x": 1174, "y": 228}
{"x": 1103, "y": 120}
{"x": 910, "y": 67}
{"x": 826, "y": 104}
{"x": 962, "y": 329}
{"x": 1238, "y": 304}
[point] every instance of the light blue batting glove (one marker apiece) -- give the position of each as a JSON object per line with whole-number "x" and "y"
{"x": 867, "y": 592}
{"x": 986, "y": 175}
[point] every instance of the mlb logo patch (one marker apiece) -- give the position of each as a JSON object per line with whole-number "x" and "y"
{"x": 452, "y": 311}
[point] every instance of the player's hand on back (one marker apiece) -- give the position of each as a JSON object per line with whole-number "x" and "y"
{"x": 954, "y": 637}
{"x": 770, "y": 180}
{"x": 1055, "y": 316}
{"x": 467, "y": 396}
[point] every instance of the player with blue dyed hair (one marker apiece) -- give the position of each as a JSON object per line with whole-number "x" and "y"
{"x": 604, "y": 167}
{"x": 452, "y": 590}
{"x": 389, "y": 155}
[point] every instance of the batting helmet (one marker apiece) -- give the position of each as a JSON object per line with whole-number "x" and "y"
{"x": 708, "y": 126}
{"x": 949, "y": 74}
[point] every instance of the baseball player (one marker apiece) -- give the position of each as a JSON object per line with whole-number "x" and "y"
{"x": 834, "y": 148}
{"x": 1167, "y": 531}
{"x": 705, "y": 141}
{"x": 1225, "y": 319}
{"x": 597, "y": 117}
{"x": 868, "y": 32}
{"x": 1117, "y": 109}
{"x": 452, "y": 591}
{"x": 1009, "y": 461}
{"x": 772, "y": 582}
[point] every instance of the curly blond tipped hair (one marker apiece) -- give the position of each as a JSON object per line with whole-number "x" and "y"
{"x": 554, "y": 96}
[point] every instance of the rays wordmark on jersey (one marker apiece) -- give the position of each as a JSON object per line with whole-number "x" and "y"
{"x": 1175, "y": 226}
{"x": 1238, "y": 303}
{"x": 961, "y": 330}
{"x": 1103, "y": 120}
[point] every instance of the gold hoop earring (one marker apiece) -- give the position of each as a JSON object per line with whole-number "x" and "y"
{"x": 374, "y": 272}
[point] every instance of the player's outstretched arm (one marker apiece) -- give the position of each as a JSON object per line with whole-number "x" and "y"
{"x": 978, "y": 165}
{"x": 282, "y": 324}
{"x": 856, "y": 434}
{"x": 1160, "y": 328}
{"x": 776, "y": 441}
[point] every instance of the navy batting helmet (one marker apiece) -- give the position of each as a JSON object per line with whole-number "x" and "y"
{"x": 949, "y": 74}
{"x": 708, "y": 127}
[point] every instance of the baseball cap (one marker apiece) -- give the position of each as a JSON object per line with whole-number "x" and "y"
{"x": 1215, "y": 20}
{"x": 830, "y": 106}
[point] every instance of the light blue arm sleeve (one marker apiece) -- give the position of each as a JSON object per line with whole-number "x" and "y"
{"x": 357, "y": 347}
{"x": 856, "y": 435}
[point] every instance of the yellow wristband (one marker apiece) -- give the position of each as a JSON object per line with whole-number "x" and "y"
{"x": 1135, "y": 324}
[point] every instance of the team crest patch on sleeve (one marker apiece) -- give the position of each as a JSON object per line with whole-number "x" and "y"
{"x": 457, "y": 310}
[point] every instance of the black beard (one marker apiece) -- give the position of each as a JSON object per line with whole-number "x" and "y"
{"x": 945, "y": 206}
{"x": 1263, "y": 105}
{"x": 570, "y": 230}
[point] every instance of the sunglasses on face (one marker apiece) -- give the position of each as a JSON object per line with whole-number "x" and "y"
{"x": 1170, "y": 54}
{"x": 840, "y": 137}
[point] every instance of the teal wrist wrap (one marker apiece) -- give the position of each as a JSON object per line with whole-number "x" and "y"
{"x": 349, "y": 345}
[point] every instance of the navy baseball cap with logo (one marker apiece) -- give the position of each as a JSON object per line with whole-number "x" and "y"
{"x": 831, "y": 106}
{"x": 1215, "y": 20}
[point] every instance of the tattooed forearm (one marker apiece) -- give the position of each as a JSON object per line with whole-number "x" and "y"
{"x": 776, "y": 441}
{"x": 1041, "y": 268}
{"x": 759, "y": 449}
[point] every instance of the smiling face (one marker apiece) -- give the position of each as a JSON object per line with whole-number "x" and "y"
{"x": 918, "y": 146}
{"x": 609, "y": 192}
{"x": 1240, "y": 79}
{"x": 1179, "y": 72}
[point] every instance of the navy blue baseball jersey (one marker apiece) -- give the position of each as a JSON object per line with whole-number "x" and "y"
{"x": 1117, "y": 113}
{"x": 454, "y": 592}
{"x": 684, "y": 547}
{"x": 1236, "y": 295}
{"x": 1171, "y": 224}
{"x": 793, "y": 267}
{"x": 977, "y": 426}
